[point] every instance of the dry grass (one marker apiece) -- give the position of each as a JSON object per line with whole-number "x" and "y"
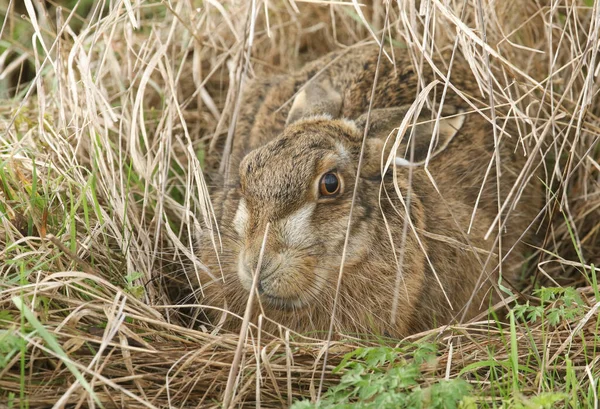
{"x": 102, "y": 190}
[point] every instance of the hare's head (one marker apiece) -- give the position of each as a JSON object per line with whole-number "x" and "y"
{"x": 302, "y": 185}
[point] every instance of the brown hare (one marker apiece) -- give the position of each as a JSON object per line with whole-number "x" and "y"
{"x": 293, "y": 165}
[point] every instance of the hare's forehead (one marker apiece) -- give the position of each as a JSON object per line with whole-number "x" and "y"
{"x": 278, "y": 179}
{"x": 284, "y": 172}
{"x": 289, "y": 151}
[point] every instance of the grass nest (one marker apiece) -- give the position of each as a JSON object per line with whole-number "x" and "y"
{"x": 109, "y": 114}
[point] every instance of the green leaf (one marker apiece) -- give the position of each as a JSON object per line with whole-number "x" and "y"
{"x": 448, "y": 394}
{"x": 424, "y": 353}
{"x": 9, "y": 346}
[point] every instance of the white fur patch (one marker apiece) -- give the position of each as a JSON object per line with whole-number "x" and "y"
{"x": 314, "y": 117}
{"x": 405, "y": 163}
{"x": 241, "y": 218}
{"x": 342, "y": 151}
{"x": 350, "y": 124}
{"x": 244, "y": 275}
{"x": 296, "y": 226}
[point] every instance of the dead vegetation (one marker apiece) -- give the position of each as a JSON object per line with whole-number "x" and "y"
{"x": 110, "y": 112}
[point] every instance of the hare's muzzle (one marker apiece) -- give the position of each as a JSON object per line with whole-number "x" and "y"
{"x": 287, "y": 279}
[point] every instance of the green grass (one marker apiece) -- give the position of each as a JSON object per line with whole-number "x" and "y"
{"x": 51, "y": 343}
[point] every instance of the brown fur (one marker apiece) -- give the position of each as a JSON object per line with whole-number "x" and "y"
{"x": 279, "y": 171}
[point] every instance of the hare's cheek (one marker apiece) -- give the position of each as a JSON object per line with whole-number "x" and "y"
{"x": 295, "y": 229}
{"x": 241, "y": 218}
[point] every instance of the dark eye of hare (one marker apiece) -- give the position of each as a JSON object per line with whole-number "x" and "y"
{"x": 329, "y": 185}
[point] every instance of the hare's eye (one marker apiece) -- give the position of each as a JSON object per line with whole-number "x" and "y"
{"x": 329, "y": 185}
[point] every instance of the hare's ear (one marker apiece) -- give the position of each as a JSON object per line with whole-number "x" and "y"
{"x": 317, "y": 98}
{"x": 417, "y": 144}
{"x": 382, "y": 121}
{"x": 414, "y": 146}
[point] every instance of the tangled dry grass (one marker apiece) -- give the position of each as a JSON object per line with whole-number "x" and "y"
{"x": 102, "y": 191}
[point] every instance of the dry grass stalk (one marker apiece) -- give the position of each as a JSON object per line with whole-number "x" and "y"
{"x": 102, "y": 190}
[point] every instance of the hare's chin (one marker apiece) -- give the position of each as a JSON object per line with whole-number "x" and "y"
{"x": 280, "y": 303}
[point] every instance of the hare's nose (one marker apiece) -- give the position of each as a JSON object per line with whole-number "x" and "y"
{"x": 264, "y": 272}
{"x": 267, "y": 272}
